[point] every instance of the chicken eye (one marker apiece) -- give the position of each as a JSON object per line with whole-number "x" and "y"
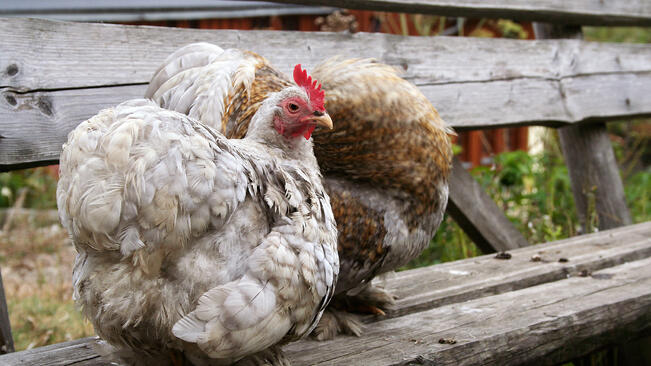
{"x": 292, "y": 107}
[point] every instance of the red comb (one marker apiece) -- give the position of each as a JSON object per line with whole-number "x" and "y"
{"x": 313, "y": 90}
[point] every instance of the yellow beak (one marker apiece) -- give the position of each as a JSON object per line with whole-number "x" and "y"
{"x": 323, "y": 120}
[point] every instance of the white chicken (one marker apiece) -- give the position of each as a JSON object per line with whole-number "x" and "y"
{"x": 194, "y": 247}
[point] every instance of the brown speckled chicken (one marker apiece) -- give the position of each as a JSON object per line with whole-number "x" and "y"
{"x": 385, "y": 165}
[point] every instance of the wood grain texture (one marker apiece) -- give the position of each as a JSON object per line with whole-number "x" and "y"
{"x": 487, "y": 305}
{"x": 596, "y": 184}
{"x": 541, "y": 325}
{"x": 594, "y": 175}
{"x": 474, "y": 83}
{"x": 588, "y": 12}
{"x": 6, "y": 339}
{"x": 35, "y": 127}
{"x": 472, "y": 278}
{"x": 77, "y": 352}
{"x": 478, "y": 215}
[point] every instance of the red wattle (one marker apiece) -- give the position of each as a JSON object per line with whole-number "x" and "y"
{"x": 308, "y": 132}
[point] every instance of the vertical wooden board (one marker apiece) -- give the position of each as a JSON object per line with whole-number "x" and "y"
{"x": 6, "y": 340}
{"x": 479, "y": 216}
{"x": 474, "y": 147}
{"x": 594, "y": 175}
{"x": 522, "y": 138}
{"x": 596, "y": 184}
{"x": 497, "y": 140}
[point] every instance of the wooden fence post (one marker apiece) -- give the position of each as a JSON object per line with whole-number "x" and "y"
{"x": 596, "y": 184}
{"x": 478, "y": 215}
{"x": 6, "y": 340}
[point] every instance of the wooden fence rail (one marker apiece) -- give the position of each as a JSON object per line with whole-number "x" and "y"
{"x": 586, "y": 12}
{"x": 55, "y": 74}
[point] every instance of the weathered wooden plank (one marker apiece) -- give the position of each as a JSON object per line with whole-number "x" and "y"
{"x": 541, "y": 325}
{"x": 34, "y": 126}
{"x": 77, "y": 55}
{"x": 6, "y": 339}
{"x": 596, "y": 184}
{"x": 472, "y": 278}
{"x": 77, "y": 352}
{"x": 161, "y": 10}
{"x": 451, "y": 284}
{"x": 589, "y": 12}
{"x": 478, "y": 215}
{"x": 49, "y": 55}
{"x": 500, "y": 82}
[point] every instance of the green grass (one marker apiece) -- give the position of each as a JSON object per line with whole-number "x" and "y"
{"x": 618, "y": 34}
{"x": 38, "y": 320}
{"x": 37, "y": 262}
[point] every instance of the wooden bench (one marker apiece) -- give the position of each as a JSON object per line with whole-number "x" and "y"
{"x": 546, "y": 304}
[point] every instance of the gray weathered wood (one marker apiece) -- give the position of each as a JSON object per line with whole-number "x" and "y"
{"x": 472, "y": 278}
{"x": 540, "y": 325}
{"x": 49, "y": 55}
{"x": 155, "y": 11}
{"x": 53, "y": 75}
{"x": 478, "y": 215}
{"x": 77, "y": 352}
{"x": 35, "y": 128}
{"x": 596, "y": 184}
{"x": 6, "y": 339}
{"x": 588, "y": 12}
{"x": 457, "y": 288}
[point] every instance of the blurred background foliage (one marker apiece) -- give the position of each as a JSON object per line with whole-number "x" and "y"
{"x": 617, "y": 34}
{"x": 32, "y": 188}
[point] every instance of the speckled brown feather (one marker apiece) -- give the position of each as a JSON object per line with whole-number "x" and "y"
{"x": 400, "y": 145}
{"x": 397, "y": 145}
{"x": 362, "y": 224}
{"x": 242, "y": 105}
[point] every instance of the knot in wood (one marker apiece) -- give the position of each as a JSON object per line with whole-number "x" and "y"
{"x": 45, "y": 106}
{"x": 11, "y": 99}
{"x": 12, "y": 70}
